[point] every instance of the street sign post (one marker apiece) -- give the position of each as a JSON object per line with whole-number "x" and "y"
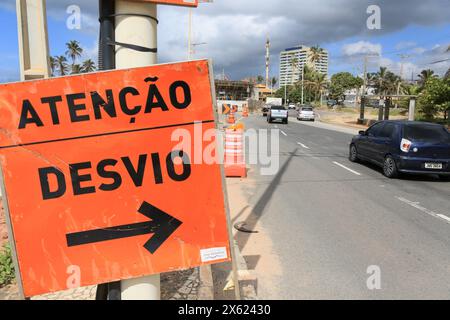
{"x": 97, "y": 188}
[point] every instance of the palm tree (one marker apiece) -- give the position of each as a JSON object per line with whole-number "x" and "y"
{"x": 317, "y": 83}
{"x": 380, "y": 80}
{"x": 315, "y": 55}
{"x": 74, "y": 51}
{"x": 53, "y": 65}
{"x": 426, "y": 75}
{"x": 88, "y": 66}
{"x": 274, "y": 81}
{"x": 61, "y": 62}
{"x": 259, "y": 79}
{"x": 76, "y": 69}
{"x": 295, "y": 65}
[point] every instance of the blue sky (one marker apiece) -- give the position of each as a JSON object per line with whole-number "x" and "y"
{"x": 235, "y": 40}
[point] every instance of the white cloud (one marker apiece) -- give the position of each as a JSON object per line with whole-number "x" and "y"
{"x": 235, "y": 30}
{"x": 405, "y": 45}
{"x": 361, "y": 48}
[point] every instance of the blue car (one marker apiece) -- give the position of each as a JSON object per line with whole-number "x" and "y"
{"x": 404, "y": 147}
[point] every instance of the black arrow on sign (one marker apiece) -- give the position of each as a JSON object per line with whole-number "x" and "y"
{"x": 162, "y": 226}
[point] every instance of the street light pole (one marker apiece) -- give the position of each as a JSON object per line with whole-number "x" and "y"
{"x": 303, "y": 83}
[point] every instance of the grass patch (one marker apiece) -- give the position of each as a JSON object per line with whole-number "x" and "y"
{"x": 7, "y": 274}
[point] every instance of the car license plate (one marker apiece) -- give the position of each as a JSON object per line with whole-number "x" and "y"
{"x": 435, "y": 166}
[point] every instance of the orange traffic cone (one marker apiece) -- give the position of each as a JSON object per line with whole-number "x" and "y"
{"x": 234, "y": 164}
{"x": 245, "y": 112}
{"x": 231, "y": 118}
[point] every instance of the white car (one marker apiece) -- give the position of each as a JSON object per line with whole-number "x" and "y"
{"x": 291, "y": 106}
{"x": 306, "y": 113}
{"x": 278, "y": 113}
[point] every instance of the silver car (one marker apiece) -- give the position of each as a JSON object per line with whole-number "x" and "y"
{"x": 306, "y": 113}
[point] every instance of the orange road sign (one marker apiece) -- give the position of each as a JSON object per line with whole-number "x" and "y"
{"x": 184, "y": 3}
{"x": 97, "y": 188}
{"x": 226, "y": 109}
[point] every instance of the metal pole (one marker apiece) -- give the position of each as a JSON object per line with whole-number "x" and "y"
{"x": 140, "y": 31}
{"x": 106, "y": 55}
{"x": 363, "y": 95}
{"x": 190, "y": 34}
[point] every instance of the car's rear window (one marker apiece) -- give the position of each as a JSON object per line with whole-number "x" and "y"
{"x": 278, "y": 108}
{"x": 427, "y": 133}
{"x": 307, "y": 109}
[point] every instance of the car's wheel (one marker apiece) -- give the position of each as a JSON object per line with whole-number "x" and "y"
{"x": 390, "y": 168}
{"x": 286, "y": 121}
{"x": 444, "y": 177}
{"x": 353, "y": 154}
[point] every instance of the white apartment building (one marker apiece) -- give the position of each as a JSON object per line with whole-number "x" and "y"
{"x": 290, "y": 74}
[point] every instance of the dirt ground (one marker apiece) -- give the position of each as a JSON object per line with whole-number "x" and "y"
{"x": 3, "y": 228}
{"x": 349, "y": 119}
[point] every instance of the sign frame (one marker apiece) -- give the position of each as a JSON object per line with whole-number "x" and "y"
{"x": 232, "y": 252}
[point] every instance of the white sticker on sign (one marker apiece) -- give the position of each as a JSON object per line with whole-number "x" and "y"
{"x": 213, "y": 254}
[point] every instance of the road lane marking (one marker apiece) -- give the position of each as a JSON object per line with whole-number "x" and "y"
{"x": 425, "y": 210}
{"x": 284, "y": 133}
{"x": 346, "y": 168}
{"x": 444, "y": 217}
{"x": 301, "y": 144}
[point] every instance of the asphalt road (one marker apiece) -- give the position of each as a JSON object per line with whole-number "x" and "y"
{"x": 330, "y": 220}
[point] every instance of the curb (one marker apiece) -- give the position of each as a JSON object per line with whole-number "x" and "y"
{"x": 206, "y": 287}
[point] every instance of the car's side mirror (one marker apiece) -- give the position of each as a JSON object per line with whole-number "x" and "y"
{"x": 363, "y": 133}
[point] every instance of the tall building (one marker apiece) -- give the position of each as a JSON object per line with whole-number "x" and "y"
{"x": 292, "y": 61}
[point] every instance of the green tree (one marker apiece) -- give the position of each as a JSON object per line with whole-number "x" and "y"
{"x": 435, "y": 98}
{"x": 77, "y": 69}
{"x": 88, "y": 66}
{"x": 274, "y": 81}
{"x": 447, "y": 74}
{"x": 73, "y": 51}
{"x": 341, "y": 82}
{"x": 385, "y": 81}
{"x": 318, "y": 84}
{"x": 294, "y": 63}
{"x": 259, "y": 79}
{"x": 53, "y": 65}
{"x": 424, "y": 76}
{"x": 62, "y": 66}
{"x": 315, "y": 55}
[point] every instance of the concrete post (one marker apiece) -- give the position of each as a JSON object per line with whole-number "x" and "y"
{"x": 412, "y": 109}
{"x": 141, "y": 31}
{"x": 33, "y": 40}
